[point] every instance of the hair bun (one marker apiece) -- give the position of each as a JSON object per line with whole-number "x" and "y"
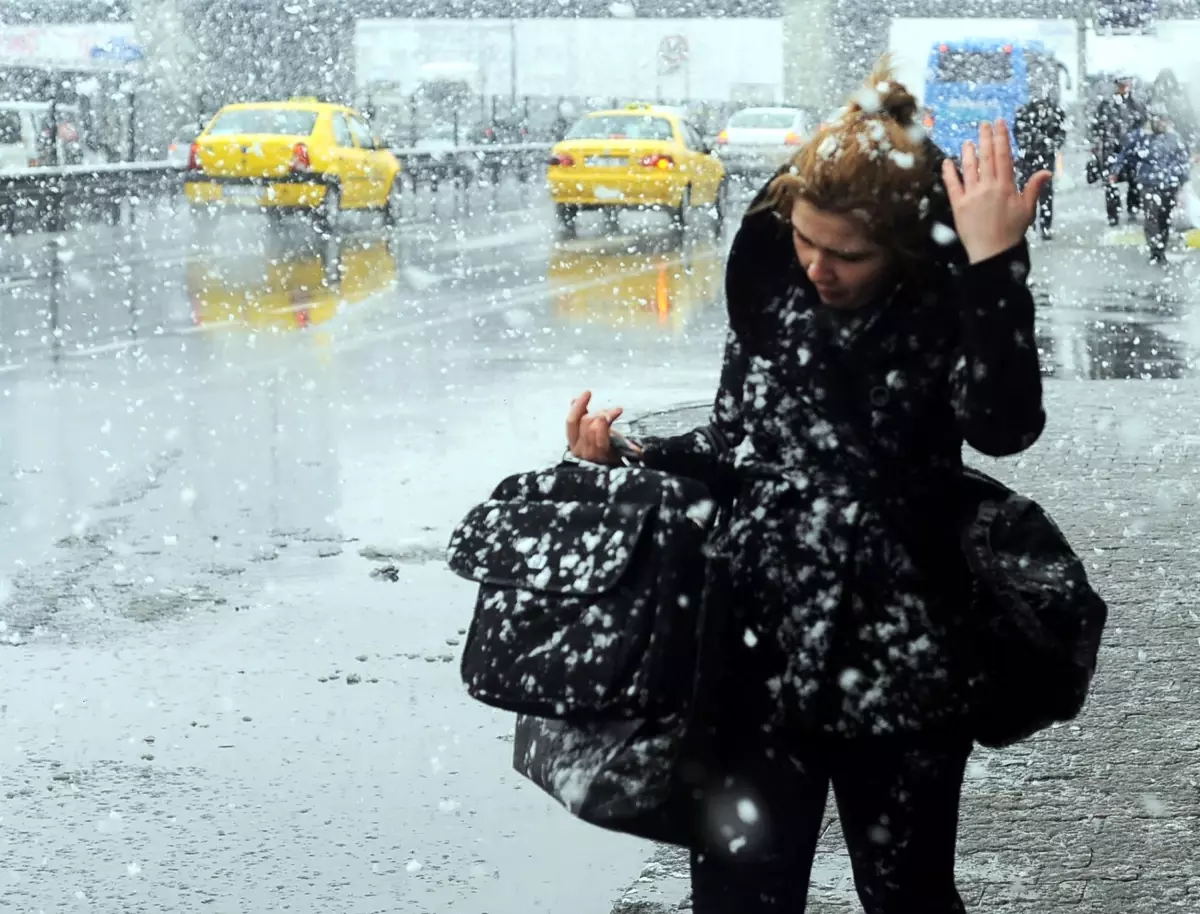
{"x": 882, "y": 94}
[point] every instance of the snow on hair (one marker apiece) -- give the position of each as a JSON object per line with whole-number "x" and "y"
{"x": 869, "y": 161}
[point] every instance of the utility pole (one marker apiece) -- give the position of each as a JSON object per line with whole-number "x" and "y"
{"x": 809, "y": 68}
{"x": 512, "y": 61}
{"x": 167, "y": 84}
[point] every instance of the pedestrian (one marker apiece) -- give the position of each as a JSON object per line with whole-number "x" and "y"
{"x": 869, "y": 276}
{"x": 1040, "y": 131}
{"x": 1171, "y": 95}
{"x": 1157, "y": 161}
{"x": 1116, "y": 118}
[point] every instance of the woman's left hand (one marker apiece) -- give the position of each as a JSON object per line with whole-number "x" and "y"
{"x": 990, "y": 214}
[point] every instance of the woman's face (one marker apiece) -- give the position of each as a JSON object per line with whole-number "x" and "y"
{"x": 846, "y": 266}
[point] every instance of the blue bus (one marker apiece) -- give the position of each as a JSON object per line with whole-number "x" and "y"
{"x": 982, "y": 79}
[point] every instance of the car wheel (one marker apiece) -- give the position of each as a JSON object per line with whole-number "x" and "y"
{"x": 329, "y": 212}
{"x": 679, "y": 218}
{"x": 568, "y": 222}
{"x": 393, "y": 209}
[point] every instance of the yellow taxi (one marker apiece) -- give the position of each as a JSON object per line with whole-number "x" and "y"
{"x": 640, "y": 156}
{"x": 299, "y": 155}
{"x": 622, "y": 286}
{"x": 304, "y": 289}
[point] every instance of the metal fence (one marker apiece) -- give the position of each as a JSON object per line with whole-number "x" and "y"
{"x": 53, "y": 199}
{"x": 401, "y": 119}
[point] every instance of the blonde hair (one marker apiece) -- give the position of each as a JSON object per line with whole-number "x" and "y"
{"x": 869, "y": 162}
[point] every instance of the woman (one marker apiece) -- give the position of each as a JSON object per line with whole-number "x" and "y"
{"x": 871, "y": 333}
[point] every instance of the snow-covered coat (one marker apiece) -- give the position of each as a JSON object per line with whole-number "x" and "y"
{"x": 1156, "y": 161}
{"x": 838, "y": 629}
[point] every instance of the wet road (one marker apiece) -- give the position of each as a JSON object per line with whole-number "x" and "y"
{"x": 232, "y": 464}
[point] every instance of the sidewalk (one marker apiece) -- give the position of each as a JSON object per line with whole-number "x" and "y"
{"x": 1102, "y": 815}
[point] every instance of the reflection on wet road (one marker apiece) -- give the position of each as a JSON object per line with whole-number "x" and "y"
{"x": 1145, "y": 330}
{"x": 231, "y": 470}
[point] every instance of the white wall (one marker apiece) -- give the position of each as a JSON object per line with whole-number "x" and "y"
{"x": 59, "y": 45}
{"x": 577, "y": 57}
{"x": 912, "y": 39}
{"x": 1175, "y": 46}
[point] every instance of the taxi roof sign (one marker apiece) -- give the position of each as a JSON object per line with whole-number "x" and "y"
{"x": 638, "y": 106}
{"x": 305, "y": 99}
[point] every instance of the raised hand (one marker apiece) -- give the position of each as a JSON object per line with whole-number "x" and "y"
{"x": 990, "y": 214}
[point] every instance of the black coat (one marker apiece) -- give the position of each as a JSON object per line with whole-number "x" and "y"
{"x": 843, "y": 631}
{"x": 1115, "y": 119}
{"x": 1040, "y": 131}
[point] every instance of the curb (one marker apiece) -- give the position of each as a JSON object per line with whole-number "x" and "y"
{"x": 1133, "y": 236}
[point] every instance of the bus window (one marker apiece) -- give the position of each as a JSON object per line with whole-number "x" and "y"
{"x": 10, "y": 129}
{"x": 963, "y": 66}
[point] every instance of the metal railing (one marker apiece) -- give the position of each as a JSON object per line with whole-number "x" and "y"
{"x": 52, "y": 197}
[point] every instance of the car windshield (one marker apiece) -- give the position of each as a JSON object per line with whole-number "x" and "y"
{"x": 763, "y": 120}
{"x": 278, "y": 121}
{"x": 621, "y": 127}
{"x": 961, "y": 66}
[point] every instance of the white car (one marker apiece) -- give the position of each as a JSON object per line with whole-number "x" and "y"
{"x": 20, "y": 123}
{"x": 759, "y": 141}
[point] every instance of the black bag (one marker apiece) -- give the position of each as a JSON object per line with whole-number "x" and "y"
{"x": 590, "y": 588}
{"x": 1094, "y": 171}
{"x": 645, "y": 776}
{"x": 1033, "y": 619}
{"x": 1037, "y": 620}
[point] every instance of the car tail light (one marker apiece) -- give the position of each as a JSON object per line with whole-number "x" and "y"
{"x": 927, "y": 121}
{"x": 658, "y": 161}
{"x": 301, "y": 161}
{"x": 793, "y": 139}
{"x": 194, "y": 157}
{"x": 561, "y": 160}
{"x": 723, "y": 138}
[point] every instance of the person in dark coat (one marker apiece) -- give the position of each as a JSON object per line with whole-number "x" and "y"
{"x": 1116, "y": 118}
{"x": 1168, "y": 94}
{"x": 1040, "y": 130}
{"x": 1156, "y": 159}
{"x": 871, "y": 287}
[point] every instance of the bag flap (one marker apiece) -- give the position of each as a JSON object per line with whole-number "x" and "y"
{"x": 552, "y": 547}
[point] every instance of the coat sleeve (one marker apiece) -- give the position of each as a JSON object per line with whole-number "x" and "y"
{"x": 1181, "y": 167}
{"x": 995, "y": 378}
{"x": 1126, "y": 152}
{"x": 1060, "y": 128}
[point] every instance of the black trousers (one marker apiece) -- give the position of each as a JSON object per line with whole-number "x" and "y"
{"x": 1045, "y": 213}
{"x": 1112, "y": 200}
{"x": 898, "y": 806}
{"x": 1159, "y": 206}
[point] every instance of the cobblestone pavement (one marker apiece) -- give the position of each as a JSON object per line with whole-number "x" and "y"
{"x": 1101, "y": 815}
